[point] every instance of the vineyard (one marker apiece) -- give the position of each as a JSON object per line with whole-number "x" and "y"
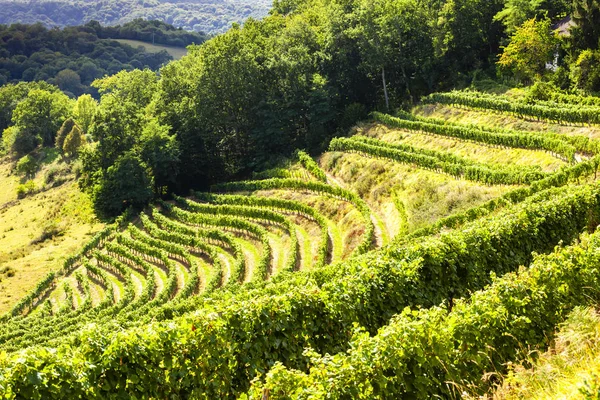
{"x": 413, "y": 258}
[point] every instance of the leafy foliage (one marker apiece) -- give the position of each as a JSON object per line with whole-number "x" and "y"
{"x": 126, "y": 183}
{"x": 531, "y": 47}
{"x": 71, "y": 58}
{"x": 202, "y": 16}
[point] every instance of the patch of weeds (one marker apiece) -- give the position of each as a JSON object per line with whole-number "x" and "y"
{"x": 49, "y": 231}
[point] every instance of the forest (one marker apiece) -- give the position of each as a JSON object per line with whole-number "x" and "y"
{"x": 246, "y": 99}
{"x": 72, "y": 58}
{"x": 211, "y": 16}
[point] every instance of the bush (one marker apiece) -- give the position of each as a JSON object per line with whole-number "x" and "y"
{"x": 27, "y": 166}
{"x": 26, "y": 189}
{"x": 49, "y": 231}
{"x": 56, "y": 174}
{"x": 8, "y": 138}
{"x": 585, "y": 71}
{"x": 540, "y": 91}
{"x": 25, "y": 141}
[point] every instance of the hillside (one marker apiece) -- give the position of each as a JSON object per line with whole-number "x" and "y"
{"x": 175, "y": 52}
{"x": 415, "y": 210}
{"x": 38, "y": 232}
{"x": 345, "y": 199}
{"x": 211, "y": 16}
{"x": 74, "y": 57}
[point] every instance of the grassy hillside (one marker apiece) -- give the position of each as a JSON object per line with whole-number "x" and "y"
{"x": 175, "y": 52}
{"x": 38, "y": 232}
{"x": 570, "y": 369}
{"x": 400, "y": 247}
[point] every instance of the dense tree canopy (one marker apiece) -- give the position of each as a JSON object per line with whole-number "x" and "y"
{"x": 212, "y": 16}
{"x": 41, "y": 114}
{"x": 71, "y": 58}
{"x": 531, "y": 47}
{"x": 586, "y": 15}
{"x": 293, "y": 80}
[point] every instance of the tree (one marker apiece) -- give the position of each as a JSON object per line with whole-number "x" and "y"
{"x": 516, "y": 12}
{"x": 74, "y": 140}
{"x": 396, "y": 44}
{"x": 12, "y": 94}
{"x": 116, "y": 126}
{"x": 63, "y": 132}
{"x": 137, "y": 86}
{"x": 585, "y": 71}
{"x": 42, "y": 113}
{"x": 68, "y": 80}
{"x": 531, "y": 47}
{"x": 210, "y": 98}
{"x": 125, "y": 184}
{"x": 586, "y": 15}
{"x": 84, "y": 111}
{"x": 27, "y": 166}
{"x": 467, "y": 35}
{"x": 160, "y": 151}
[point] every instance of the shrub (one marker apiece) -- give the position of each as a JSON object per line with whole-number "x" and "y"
{"x": 27, "y": 166}
{"x": 26, "y": 189}
{"x": 585, "y": 71}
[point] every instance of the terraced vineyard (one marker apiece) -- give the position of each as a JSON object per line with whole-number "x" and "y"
{"x": 324, "y": 279}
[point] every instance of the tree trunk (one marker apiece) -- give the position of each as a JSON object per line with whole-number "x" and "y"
{"x": 385, "y": 92}
{"x": 404, "y": 76}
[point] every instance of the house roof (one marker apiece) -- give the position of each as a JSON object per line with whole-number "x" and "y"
{"x": 564, "y": 26}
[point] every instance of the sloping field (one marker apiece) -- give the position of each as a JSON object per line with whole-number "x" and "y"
{"x": 38, "y": 232}
{"x": 175, "y": 52}
{"x": 415, "y": 258}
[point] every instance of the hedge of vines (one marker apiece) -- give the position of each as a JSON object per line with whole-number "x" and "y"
{"x": 439, "y": 162}
{"x": 439, "y": 354}
{"x": 563, "y": 113}
{"x": 217, "y": 352}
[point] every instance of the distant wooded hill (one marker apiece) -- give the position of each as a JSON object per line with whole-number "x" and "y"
{"x": 211, "y": 16}
{"x": 73, "y": 57}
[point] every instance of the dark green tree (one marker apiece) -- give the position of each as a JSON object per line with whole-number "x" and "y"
{"x": 116, "y": 127}
{"x": 586, "y": 15}
{"x": 125, "y": 184}
{"x": 63, "y": 132}
{"x": 160, "y": 152}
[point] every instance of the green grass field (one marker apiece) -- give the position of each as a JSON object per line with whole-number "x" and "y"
{"x": 175, "y": 52}
{"x": 22, "y": 223}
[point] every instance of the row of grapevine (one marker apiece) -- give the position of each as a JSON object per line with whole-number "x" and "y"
{"x": 121, "y": 272}
{"x": 47, "y": 284}
{"x": 560, "y": 178}
{"x": 83, "y": 286}
{"x": 582, "y": 144}
{"x": 470, "y": 171}
{"x": 252, "y": 213}
{"x": 138, "y": 264}
{"x": 278, "y": 205}
{"x": 311, "y": 166}
{"x": 316, "y": 310}
{"x": 559, "y": 114}
{"x": 437, "y": 354}
{"x": 195, "y": 237}
{"x": 236, "y": 224}
{"x": 314, "y": 187}
{"x": 525, "y": 140}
